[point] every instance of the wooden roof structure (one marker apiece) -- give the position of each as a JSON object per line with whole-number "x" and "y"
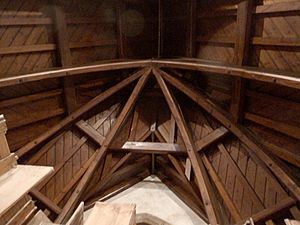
{"x": 203, "y": 94}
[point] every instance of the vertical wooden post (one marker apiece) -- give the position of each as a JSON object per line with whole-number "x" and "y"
{"x": 120, "y": 36}
{"x": 64, "y": 52}
{"x": 191, "y": 28}
{"x": 160, "y": 29}
{"x": 4, "y": 148}
{"x": 241, "y": 55}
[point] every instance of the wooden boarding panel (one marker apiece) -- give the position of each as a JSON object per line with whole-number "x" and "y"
{"x": 112, "y": 214}
{"x": 23, "y": 177}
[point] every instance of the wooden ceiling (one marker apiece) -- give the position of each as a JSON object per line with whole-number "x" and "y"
{"x": 94, "y": 90}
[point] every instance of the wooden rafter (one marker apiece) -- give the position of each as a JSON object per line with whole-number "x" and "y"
{"x": 132, "y": 168}
{"x": 209, "y": 198}
{"x": 64, "y": 55}
{"x": 191, "y": 31}
{"x": 222, "y": 190}
{"x": 211, "y": 138}
{"x": 239, "y": 132}
{"x": 73, "y": 200}
{"x": 97, "y": 188}
{"x": 170, "y": 172}
{"x": 46, "y": 201}
{"x": 76, "y": 114}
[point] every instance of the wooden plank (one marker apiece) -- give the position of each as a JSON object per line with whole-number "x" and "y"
{"x": 188, "y": 169}
{"x": 281, "y": 127}
{"x": 283, "y": 78}
{"x": 75, "y": 148}
{"x": 172, "y": 130}
{"x": 76, "y": 114}
{"x": 117, "y": 176}
{"x": 27, "y": 49}
{"x": 182, "y": 181}
{"x": 76, "y": 45}
{"x": 20, "y": 216}
{"x": 238, "y": 131}
{"x": 77, "y": 217}
{"x": 262, "y": 215}
{"x": 113, "y": 214}
{"x": 4, "y": 148}
{"x": 280, "y": 152}
{"x": 179, "y": 168}
{"x": 211, "y": 138}
{"x": 64, "y": 55}
{"x": 291, "y": 222}
{"x": 11, "y": 21}
{"x": 90, "y": 132}
{"x": 120, "y": 36}
{"x": 103, "y": 66}
{"x": 39, "y": 218}
{"x": 205, "y": 188}
{"x": 7, "y": 163}
{"x": 29, "y": 98}
{"x": 152, "y": 147}
{"x": 241, "y": 55}
{"x": 74, "y": 180}
{"x": 160, "y": 40}
{"x": 35, "y": 117}
{"x": 278, "y": 7}
{"x": 45, "y": 200}
{"x": 273, "y": 100}
{"x": 134, "y": 124}
{"x": 71, "y": 203}
{"x": 191, "y": 28}
{"x": 269, "y": 222}
{"x": 269, "y": 41}
{"x": 182, "y": 196}
{"x": 220, "y": 40}
{"x": 220, "y": 187}
{"x": 23, "y": 177}
{"x": 295, "y": 212}
{"x": 51, "y": 47}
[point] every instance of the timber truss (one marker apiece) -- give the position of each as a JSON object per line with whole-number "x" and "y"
{"x": 215, "y": 165}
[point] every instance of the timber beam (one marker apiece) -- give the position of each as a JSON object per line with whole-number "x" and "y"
{"x": 239, "y": 132}
{"x": 79, "y": 112}
{"x": 205, "y": 187}
{"x": 75, "y": 197}
{"x": 288, "y": 79}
